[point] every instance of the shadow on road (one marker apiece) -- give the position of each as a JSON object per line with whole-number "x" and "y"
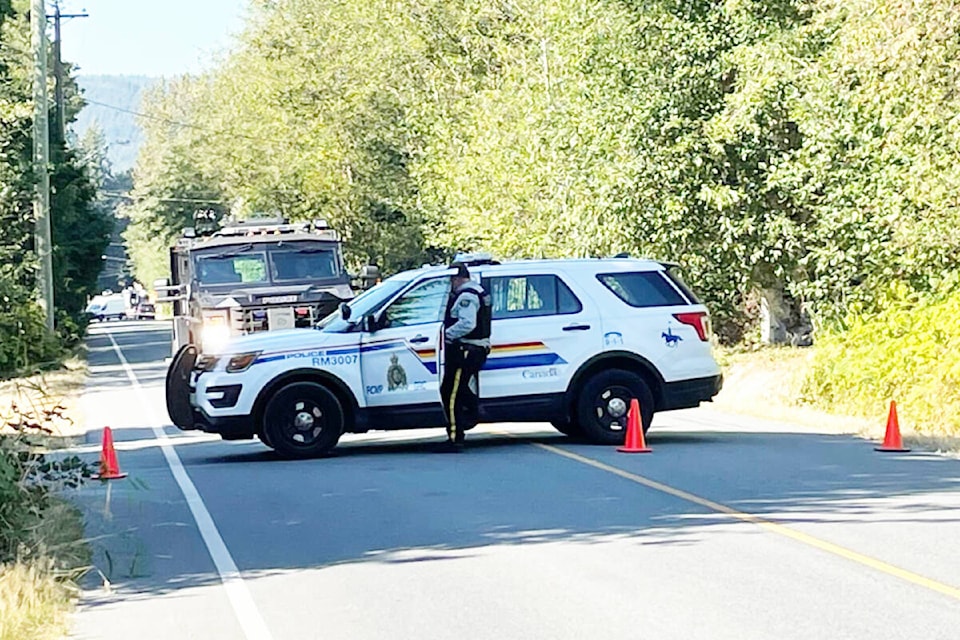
{"x": 397, "y": 502}
{"x": 382, "y": 498}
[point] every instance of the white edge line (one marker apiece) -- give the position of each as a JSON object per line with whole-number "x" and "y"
{"x": 252, "y": 623}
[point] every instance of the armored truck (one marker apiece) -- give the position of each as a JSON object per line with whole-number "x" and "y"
{"x": 258, "y": 275}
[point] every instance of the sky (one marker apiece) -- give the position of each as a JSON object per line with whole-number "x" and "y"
{"x": 148, "y": 37}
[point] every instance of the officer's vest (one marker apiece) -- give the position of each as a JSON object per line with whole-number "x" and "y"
{"x": 484, "y": 315}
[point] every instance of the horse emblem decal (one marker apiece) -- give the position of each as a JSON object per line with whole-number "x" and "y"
{"x": 670, "y": 338}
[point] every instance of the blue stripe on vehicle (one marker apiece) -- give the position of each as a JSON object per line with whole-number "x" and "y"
{"x": 269, "y": 358}
{"x": 529, "y": 360}
{"x": 381, "y": 345}
{"x": 340, "y": 352}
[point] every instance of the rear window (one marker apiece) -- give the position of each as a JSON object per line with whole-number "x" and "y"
{"x": 642, "y": 289}
{"x": 530, "y": 295}
{"x": 674, "y": 274}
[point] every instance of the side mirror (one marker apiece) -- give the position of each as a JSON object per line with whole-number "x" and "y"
{"x": 369, "y": 323}
{"x": 345, "y": 311}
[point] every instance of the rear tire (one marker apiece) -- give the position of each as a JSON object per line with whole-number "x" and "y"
{"x": 604, "y": 403}
{"x": 302, "y": 420}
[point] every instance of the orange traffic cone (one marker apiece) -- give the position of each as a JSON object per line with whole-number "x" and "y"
{"x": 109, "y": 468}
{"x": 634, "y": 442}
{"x": 892, "y": 440}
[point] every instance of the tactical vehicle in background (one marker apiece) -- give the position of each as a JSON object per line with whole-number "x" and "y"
{"x": 258, "y": 275}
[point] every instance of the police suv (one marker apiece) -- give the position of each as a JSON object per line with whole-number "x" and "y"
{"x": 573, "y": 341}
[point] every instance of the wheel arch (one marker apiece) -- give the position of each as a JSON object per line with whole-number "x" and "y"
{"x": 337, "y": 386}
{"x": 615, "y": 360}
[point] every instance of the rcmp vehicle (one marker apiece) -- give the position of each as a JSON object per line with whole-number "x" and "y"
{"x": 247, "y": 277}
{"x": 573, "y": 341}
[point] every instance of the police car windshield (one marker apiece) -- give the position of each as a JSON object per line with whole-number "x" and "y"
{"x": 367, "y": 302}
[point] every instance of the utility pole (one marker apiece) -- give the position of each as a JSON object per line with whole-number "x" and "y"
{"x": 43, "y": 242}
{"x": 58, "y": 68}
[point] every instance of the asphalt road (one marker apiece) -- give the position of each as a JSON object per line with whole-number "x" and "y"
{"x": 731, "y": 528}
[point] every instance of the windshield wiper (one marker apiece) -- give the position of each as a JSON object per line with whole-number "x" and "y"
{"x": 233, "y": 254}
{"x": 312, "y": 250}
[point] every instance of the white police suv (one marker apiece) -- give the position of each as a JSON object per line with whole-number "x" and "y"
{"x": 572, "y": 342}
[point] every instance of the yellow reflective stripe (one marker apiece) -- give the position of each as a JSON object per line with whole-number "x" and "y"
{"x": 452, "y": 432}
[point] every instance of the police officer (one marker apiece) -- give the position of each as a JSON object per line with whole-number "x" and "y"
{"x": 466, "y": 345}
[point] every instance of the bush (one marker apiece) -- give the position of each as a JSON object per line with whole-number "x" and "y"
{"x": 28, "y": 480}
{"x": 41, "y": 538}
{"x": 25, "y": 342}
{"x": 909, "y": 352}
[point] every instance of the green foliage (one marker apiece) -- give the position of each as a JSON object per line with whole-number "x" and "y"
{"x": 28, "y": 480}
{"x": 907, "y": 352}
{"x": 807, "y": 147}
{"x": 80, "y": 229}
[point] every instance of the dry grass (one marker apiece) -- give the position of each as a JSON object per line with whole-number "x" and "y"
{"x": 37, "y": 591}
{"x": 33, "y": 604}
{"x": 39, "y": 396}
{"x": 767, "y": 383}
{"x": 36, "y": 595}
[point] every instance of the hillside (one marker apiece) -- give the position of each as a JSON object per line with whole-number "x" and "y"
{"x": 121, "y": 131}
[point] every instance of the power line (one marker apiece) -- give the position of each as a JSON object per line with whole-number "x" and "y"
{"x": 120, "y": 194}
{"x": 188, "y": 125}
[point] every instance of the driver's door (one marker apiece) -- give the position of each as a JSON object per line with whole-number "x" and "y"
{"x": 399, "y": 361}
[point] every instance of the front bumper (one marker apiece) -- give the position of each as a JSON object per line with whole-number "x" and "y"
{"x": 219, "y": 398}
{"x": 686, "y": 394}
{"x": 227, "y": 427}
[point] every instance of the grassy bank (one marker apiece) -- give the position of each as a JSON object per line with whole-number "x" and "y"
{"x": 909, "y": 352}
{"x": 42, "y": 552}
{"x": 776, "y": 383}
{"x": 38, "y": 589}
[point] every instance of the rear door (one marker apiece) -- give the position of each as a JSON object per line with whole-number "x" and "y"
{"x": 647, "y": 313}
{"x": 544, "y": 328}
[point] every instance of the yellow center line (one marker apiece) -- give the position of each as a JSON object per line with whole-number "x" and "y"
{"x": 773, "y": 527}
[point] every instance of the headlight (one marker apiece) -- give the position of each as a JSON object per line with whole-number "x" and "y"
{"x": 214, "y": 336}
{"x": 207, "y": 362}
{"x": 242, "y": 361}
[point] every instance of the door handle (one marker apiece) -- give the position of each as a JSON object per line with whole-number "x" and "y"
{"x": 576, "y": 327}
{"x": 419, "y": 339}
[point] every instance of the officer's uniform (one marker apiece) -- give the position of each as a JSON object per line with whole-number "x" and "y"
{"x": 466, "y": 345}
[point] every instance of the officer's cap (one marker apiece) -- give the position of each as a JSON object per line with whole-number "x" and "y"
{"x": 462, "y": 271}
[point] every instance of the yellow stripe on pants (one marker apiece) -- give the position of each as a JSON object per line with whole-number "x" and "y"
{"x": 452, "y": 433}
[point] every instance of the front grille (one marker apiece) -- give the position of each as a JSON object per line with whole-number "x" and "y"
{"x": 253, "y": 319}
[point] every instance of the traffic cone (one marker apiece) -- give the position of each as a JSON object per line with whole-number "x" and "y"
{"x": 892, "y": 440}
{"x": 109, "y": 468}
{"x": 634, "y": 442}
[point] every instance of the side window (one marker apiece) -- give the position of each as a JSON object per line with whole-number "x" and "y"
{"x": 423, "y": 304}
{"x": 642, "y": 289}
{"x": 530, "y": 296}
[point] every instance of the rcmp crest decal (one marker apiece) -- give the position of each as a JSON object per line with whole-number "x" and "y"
{"x": 396, "y": 376}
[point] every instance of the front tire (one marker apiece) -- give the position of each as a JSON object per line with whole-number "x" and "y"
{"x": 604, "y": 403}
{"x": 303, "y": 420}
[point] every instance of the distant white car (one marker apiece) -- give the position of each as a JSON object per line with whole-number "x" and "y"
{"x": 108, "y": 307}
{"x": 573, "y": 341}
